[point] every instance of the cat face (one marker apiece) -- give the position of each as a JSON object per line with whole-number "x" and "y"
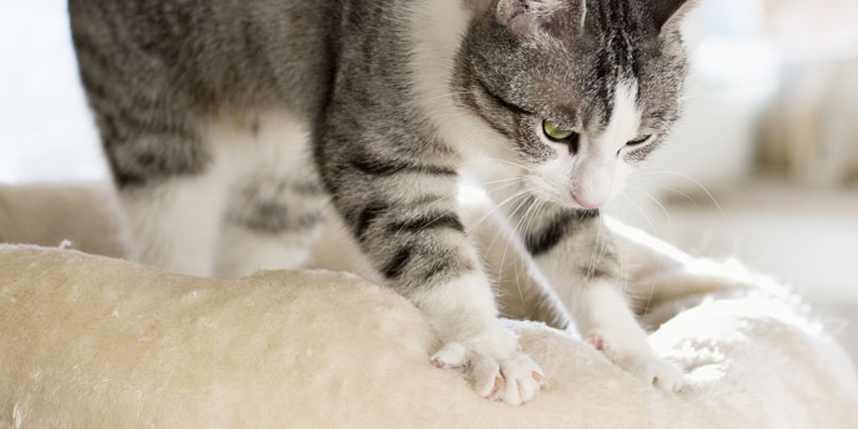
{"x": 582, "y": 93}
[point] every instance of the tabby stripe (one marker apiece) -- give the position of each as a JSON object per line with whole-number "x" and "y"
{"x": 494, "y": 126}
{"x": 382, "y": 168}
{"x": 543, "y": 240}
{"x": 444, "y": 265}
{"x": 427, "y": 199}
{"x": 396, "y": 266}
{"x": 367, "y": 217}
{"x": 470, "y": 100}
{"x": 444, "y": 220}
{"x": 271, "y": 222}
{"x": 502, "y": 102}
{"x": 641, "y": 153}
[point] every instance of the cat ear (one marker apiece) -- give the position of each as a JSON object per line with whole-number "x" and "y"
{"x": 524, "y": 17}
{"x": 668, "y": 14}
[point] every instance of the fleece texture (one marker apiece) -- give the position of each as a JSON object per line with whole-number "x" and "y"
{"x": 93, "y": 342}
{"x": 83, "y": 216}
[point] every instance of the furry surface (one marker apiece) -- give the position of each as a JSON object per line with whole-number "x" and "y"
{"x": 92, "y": 342}
{"x": 80, "y": 216}
{"x": 89, "y": 341}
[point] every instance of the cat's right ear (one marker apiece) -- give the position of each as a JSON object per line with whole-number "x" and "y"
{"x": 524, "y": 17}
{"x": 513, "y": 14}
{"x": 668, "y": 14}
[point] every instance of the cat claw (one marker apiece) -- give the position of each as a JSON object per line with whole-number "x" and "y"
{"x": 493, "y": 395}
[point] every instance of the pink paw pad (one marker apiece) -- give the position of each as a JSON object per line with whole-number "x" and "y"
{"x": 441, "y": 364}
{"x": 596, "y": 341}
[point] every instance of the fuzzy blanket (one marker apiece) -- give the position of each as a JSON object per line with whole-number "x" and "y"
{"x": 93, "y": 342}
{"x": 97, "y": 342}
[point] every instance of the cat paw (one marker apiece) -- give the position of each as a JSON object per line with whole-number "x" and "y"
{"x": 514, "y": 379}
{"x": 655, "y": 371}
{"x": 642, "y": 364}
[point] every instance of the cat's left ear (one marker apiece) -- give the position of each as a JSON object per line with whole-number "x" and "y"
{"x": 524, "y": 17}
{"x": 668, "y": 14}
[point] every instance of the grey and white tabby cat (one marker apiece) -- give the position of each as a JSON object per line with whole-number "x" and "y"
{"x": 230, "y": 124}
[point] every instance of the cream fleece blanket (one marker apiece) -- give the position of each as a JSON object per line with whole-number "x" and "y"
{"x": 93, "y": 342}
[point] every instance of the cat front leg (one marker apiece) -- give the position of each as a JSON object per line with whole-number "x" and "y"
{"x": 576, "y": 253}
{"x": 475, "y": 343}
{"x": 404, "y": 216}
{"x": 604, "y": 316}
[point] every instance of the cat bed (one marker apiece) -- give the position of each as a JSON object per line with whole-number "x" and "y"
{"x": 93, "y": 342}
{"x": 97, "y": 342}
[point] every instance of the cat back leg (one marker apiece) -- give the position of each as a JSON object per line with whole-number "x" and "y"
{"x": 170, "y": 194}
{"x": 276, "y": 205}
{"x": 269, "y": 224}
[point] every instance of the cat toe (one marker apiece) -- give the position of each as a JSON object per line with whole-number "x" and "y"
{"x": 638, "y": 360}
{"x": 657, "y": 372}
{"x": 514, "y": 379}
{"x": 452, "y": 356}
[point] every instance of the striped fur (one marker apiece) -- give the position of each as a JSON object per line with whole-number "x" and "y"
{"x": 230, "y": 125}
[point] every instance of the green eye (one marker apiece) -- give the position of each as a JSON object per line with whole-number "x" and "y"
{"x": 641, "y": 139}
{"x": 554, "y": 131}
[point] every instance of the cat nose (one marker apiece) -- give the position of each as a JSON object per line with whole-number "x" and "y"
{"x": 593, "y": 187}
{"x": 587, "y": 203}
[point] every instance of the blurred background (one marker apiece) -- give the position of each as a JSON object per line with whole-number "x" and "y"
{"x": 762, "y": 168}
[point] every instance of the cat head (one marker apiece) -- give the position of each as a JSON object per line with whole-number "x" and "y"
{"x": 582, "y": 89}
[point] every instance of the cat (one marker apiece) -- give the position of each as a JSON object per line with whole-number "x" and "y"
{"x": 229, "y": 125}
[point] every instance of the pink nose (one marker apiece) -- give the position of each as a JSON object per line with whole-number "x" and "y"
{"x": 588, "y": 204}
{"x": 593, "y": 183}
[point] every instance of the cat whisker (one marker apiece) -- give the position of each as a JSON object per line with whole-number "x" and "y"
{"x": 687, "y": 177}
{"x": 655, "y": 200}
{"x": 514, "y": 236}
{"x": 511, "y": 214}
{"x": 501, "y": 161}
{"x": 670, "y": 189}
{"x": 652, "y": 285}
{"x": 516, "y": 261}
{"x": 433, "y": 204}
{"x": 528, "y": 230}
{"x": 506, "y": 183}
{"x": 509, "y": 179}
{"x": 591, "y": 266}
{"x": 473, "y": 227}
{"x": 450, "y": 94}
{"x": 658, "y": 266}
{"x": 643, "y": 213}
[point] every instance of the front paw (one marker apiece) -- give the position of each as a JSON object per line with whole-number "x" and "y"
{"x": 640, "y": 362}
{"x": 514, "y": 378}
